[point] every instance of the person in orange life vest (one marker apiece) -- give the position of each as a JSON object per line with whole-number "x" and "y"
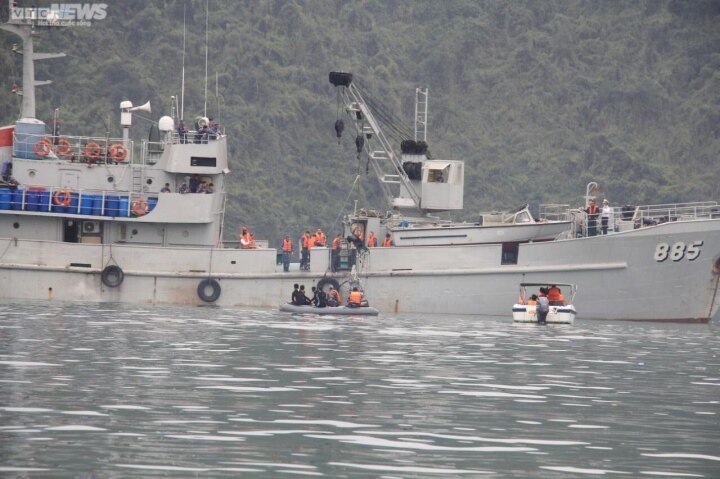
{"x": 387, "y": 242}
{"x": 245, "y": 238}
{"x": 334, "y": 298}
{"x": 554, "y": 295}
{"x": 307, "y": 243}
{"x": 372, "y": 240}
{"x": 592, "y": 215}
{"x": 287, "y": 251}
{"x": 319, "y": 238}
{"x": 335, "y": 253}
{"x": 533, "y": 300}
{"x": 355, "y": 298}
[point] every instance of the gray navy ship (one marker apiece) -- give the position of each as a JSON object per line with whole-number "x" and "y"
{"x": 111, "y": 219}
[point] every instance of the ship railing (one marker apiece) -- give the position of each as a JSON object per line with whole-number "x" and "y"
{"x": 74, "y": 149}
{"x": 195, "y": 136}
{"x": 554, "y": 212}
{"x": 662, "y": 213}
{"x": 628, "y": 217}
{"x": 81, "y": 202}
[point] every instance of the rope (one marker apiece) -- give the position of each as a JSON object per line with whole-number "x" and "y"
{"x": 342, "y": 206}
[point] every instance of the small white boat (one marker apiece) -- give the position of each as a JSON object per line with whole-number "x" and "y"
{"x": 558, "y": 314}
{"x": 334, "y": 310}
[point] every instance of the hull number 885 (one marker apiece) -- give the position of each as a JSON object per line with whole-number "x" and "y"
{"x": 677, "y": 251}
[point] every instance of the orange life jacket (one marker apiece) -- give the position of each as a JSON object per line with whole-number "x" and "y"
{"x": 387, "y": 242}
{"x": 287, "y": 246}
{"x": 308, "y": 241}
{"x": 554, "y": 294}
{"x": 336, "y": 243}
{"x": 355, "y": 297}
{"x": 372, "y": 240}
{"x": 319, "y": 239}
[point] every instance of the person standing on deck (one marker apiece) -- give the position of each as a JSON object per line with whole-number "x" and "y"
{"x": 335, "y": 254}
{"x": 372, "y": 240}
{"x": 605, "y": 216}
{"x": 320, "y": 238}
{"x": 592, "y": 211}
{"x": 387, "y": 242}
{"x": 287, "y": 251}
{"x": 307, "y": 242}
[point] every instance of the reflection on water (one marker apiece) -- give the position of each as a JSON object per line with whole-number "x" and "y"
{"x": 121, "y": 391}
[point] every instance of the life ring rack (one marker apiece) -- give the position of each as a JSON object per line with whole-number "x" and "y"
{"x": 43, "y": 147}
{"x": 62, "y": 197}
{"x": 118, "y": 152}
{"x": 92, "y": 151}
{"x": 139, "y": 207}
{"x": 64, "y": 148}
{"x": 112, "y": 276}
{"x": 209, "y": 290}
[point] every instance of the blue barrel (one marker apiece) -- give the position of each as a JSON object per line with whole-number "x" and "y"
{"x": 124, "y": 206}
{"x": 16, "y": 199}
{"x": 4, "y": 199}
{"x": 97, "y": 206}
{"x": 44, "y": 201}
{"x": 74, "y": 203}
{"x": 86, "y": 204}
{"x": 31, "y": 200}
{"x": 112, "y": 205}
{"x": 152, "y": 203}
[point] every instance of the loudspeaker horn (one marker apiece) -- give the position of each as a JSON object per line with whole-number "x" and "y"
{"x": 145, "y": 107}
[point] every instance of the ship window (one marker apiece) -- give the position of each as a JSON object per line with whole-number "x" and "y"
{"x": 203, "y": 161}
{"x": 522, "y": 217}
{"x": 509, "y": 253}
{"x": 16, "y": 225}
{"x": 32, "y": 173}
{"x": 149, "y": 181}
{"x": 110, "y": 179}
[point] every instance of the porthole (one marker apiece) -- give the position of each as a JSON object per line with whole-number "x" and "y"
{"x": 149, "y": 181}
{"x": 16, "y": 225}
{"x": 110, "y": 179}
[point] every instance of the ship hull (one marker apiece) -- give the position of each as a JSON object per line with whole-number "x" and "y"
{"x": 669, "y": 272}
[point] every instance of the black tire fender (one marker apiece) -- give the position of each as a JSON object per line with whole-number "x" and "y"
{"x": 323, "y": 283}
{"x": 209, "y": 290}
{"x": 112, "y": 276}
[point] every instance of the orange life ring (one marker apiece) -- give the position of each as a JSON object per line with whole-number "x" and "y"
{"x": 62, "y": 197}
{"x": 43, "y": 148}
{"x": 92, "y": 150}
{"x": 64, "y": 148}
{"x": 139, "y": 207}
{"x": 118, "y": 152}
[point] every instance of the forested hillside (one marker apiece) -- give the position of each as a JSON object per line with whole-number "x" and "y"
{"x": 537, "y": 97}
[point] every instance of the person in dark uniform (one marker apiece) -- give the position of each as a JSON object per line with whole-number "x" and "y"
{"x": 294, "y": 297}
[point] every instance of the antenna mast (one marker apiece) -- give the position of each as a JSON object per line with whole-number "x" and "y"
{"x": 207, "y": 15}
{"x": 182, "y": 88}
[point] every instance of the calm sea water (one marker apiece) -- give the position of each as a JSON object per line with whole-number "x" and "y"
{"x": 111, "y": 391}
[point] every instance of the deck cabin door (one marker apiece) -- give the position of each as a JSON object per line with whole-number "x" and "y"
{"x": 70, "y": 179}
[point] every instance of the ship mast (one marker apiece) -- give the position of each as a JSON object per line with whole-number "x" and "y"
{"x": 25, "y": 29}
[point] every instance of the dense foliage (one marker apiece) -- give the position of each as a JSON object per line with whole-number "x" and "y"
{"x": 537, "y": 97}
